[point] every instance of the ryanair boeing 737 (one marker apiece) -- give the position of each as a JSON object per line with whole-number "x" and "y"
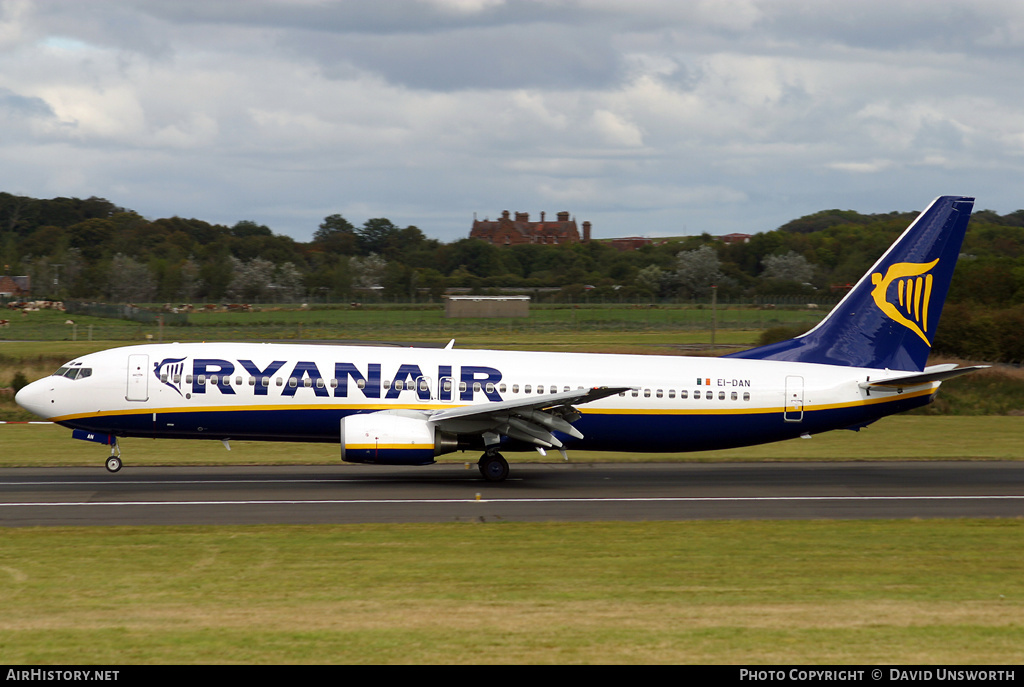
{"x": 404, "y": 406}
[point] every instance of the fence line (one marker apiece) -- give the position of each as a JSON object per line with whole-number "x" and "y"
{"x": 124, "y": 311}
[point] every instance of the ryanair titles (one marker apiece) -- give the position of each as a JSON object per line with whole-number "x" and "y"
{"x": 286, "y": 378}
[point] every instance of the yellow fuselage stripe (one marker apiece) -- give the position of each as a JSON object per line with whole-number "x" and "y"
{"x": 427, "y": 406}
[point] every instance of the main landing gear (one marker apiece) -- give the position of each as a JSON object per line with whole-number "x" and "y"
{"x": 493, "y": 466}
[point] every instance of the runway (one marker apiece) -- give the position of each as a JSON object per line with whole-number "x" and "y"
{"x": 534, "y": 492}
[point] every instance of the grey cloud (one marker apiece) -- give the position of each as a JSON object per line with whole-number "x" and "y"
{"x": 899, "y": 25}
{"x": 347, "y": 16}
{"x": 23, "y": 106}
{"x": 540, "y": 56}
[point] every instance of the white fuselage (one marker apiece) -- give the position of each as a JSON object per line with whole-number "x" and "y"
{"x": 301, "y": 393}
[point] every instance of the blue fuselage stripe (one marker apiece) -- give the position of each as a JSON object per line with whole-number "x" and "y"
{"x": 608, "y": 431}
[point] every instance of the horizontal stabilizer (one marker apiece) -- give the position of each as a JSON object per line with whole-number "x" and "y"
{"x": 936, "y": 373}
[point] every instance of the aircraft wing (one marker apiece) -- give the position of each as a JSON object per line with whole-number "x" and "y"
{"x": 935, "y": 373}
{"x": 530, "y": 420}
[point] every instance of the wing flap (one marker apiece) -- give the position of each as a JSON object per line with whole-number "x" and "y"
{"x": 532, "y": 420}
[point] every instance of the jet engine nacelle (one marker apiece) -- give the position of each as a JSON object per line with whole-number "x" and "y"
{"x": 392, "y": 439}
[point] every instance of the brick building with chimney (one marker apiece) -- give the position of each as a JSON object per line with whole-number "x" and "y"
{"x": 509, "y": 232}
{"x": 14, "y": 287}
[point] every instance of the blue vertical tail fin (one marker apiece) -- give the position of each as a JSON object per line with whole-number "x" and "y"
{"x": 888, "y": 319}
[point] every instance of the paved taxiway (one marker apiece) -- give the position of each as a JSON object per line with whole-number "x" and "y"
{"x": 566, "y": 492}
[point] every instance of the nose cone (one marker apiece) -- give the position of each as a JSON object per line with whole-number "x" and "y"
{"x": 37, "y": 398}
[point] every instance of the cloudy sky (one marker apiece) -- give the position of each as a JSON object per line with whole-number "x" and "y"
{"x": 655, "y": 118}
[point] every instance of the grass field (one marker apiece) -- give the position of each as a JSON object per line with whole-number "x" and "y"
{"x": 406, "y": 323}
{"x": 908, "y": 592}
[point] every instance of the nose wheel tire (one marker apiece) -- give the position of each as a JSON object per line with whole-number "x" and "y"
{"x": 113, "y": 463}
{"x": 493, "y": 467}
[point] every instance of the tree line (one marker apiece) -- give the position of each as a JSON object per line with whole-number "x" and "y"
{"x": 93, "y": 249}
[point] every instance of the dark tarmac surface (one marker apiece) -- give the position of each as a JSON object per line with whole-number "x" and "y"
{"x": 534, "y": 492}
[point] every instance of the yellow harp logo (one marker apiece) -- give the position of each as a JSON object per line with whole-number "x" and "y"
{"x": 913, "y": 291}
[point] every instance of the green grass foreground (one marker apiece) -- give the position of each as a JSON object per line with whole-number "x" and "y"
{"x": 893, "y": 438}
{"x": 906, "y": 592}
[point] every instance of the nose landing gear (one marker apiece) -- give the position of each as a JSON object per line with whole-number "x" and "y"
{"x": 114, "y": 461}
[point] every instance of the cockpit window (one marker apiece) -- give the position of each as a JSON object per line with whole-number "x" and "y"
{"x": 73, "y": 372}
